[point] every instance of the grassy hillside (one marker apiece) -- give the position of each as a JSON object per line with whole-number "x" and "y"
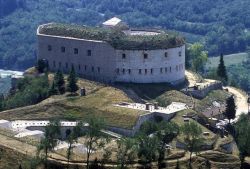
{"x": 100, "y": 99}
{"x": 232, "y": 59}
{"x": 99, "y": 103}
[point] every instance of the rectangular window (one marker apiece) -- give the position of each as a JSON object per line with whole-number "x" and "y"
{"x": 145, "y": 55}
{"x": 166, "y": 54}
{"x": 146, "y": 71}
{"x": 151, "y": 71}
{"x": 89, "y": 53}
{"x": 49, "y": 48}
{"x": 170, "y": 69}
{"x": 63, "y": 49}
{"x": 166, "y": 69}
{"x": 54, "y": 63}
{"x": 66, "y": 65}
{"x": 176, "y": 67}
{"x": 79, "y": 67}
{"x": 123, "y": 56}
{"x": 161, "y": 70}
{"x": 180, "y": 53}
{"x": 60, "y": 64}
{"x": 75, "y": 51}
{"x": 117, "y": 70}
{"x": 139, "y": 71}
{"x": 72, "y": 66}
{"x": 93, "y": 69}
{"x": 99, "y": 69}
{"x": 85, "y": 67}
{"x": 129, "y": 71}
{"x": 123, "y": 71}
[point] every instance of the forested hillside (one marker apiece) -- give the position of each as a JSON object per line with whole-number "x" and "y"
{"x": 222, "y": 25}
{"x": 8, "y": 6}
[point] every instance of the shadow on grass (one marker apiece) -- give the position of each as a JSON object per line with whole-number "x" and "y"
{"x": 150, "y": 91}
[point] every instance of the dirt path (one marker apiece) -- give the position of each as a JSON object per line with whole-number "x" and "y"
{"x": 241, "y": 101}
{"x": 192, "y": 79}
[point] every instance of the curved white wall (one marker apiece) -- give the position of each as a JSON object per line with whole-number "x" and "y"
{"x": 156, "y": 60}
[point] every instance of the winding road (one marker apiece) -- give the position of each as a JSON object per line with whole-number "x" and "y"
{"x": 240, "y": 101}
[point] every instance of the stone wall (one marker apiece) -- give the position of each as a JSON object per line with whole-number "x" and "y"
{"x": 94, "y": 60}
{"x": 166, "y": 65}
{"x": 202, "y": 92}
{"x": 98, "y": 60}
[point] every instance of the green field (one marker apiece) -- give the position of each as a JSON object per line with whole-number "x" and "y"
{"x": 229, "y": 60}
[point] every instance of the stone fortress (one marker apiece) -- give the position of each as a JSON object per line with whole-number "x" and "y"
{"x": 113, "y": 52}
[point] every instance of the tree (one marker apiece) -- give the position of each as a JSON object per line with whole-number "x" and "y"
{"x": 161, "y": 133}
{"x": 230, "y": 111}
{"x": 148, "y": 148}
{"x": 72, "y": 138}
{"x": 221, "y": 70}
{"x": 72, "y": 80}
{"x": 53, "y": 90}
{"x": 41, "y": 66}
{"x": 126, "y": 151}
{"x": 177, "y": 165}
{"x": 198, "y": 57}
{"x": 192, "y": 138}
{"x": 166, "y": 132}
{"x": 59, "y": 82}
{"x": 242, "y": 137}
{"x": 94, "y": 138}
{"x": 52, "y": 133}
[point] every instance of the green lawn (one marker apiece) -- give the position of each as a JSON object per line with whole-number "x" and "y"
{"x": 229, "y": 60}
{"x": 99, "y": 103}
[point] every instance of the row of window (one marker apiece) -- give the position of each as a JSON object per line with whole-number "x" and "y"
{"x": 79, "y": 67}
{"x": 145, "y": 55}
{"x": 151, "y": 71}
{"x": 89, "y": 52}
{"x": 75, "y": 50}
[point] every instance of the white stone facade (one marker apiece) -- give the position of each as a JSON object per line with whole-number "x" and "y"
{"x": 151, "y": 66}
{"x": 98, "y": 60}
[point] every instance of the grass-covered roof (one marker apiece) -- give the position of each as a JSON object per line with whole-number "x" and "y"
{"x": 116, "y": 38}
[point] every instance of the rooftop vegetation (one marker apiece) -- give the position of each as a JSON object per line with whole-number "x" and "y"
{"x": 115, "y": 38}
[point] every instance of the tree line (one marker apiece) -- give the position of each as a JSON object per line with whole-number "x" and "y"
{"x": 149, "y": 145}
{"x": 32, "y": 90}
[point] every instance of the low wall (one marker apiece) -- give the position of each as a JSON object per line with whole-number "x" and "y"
{"x": 63, "y": 130}
{"x": 200, "y": 93}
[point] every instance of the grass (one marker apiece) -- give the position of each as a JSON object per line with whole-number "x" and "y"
{"x": 178, "y": 119}
{"x": 229, "y": 60}
{"x": 216, "y": 95}
{"x": 11, "y": 159}
{"x": 99, "y": 103}
{"x": 173, "y": 96}
{"x": 116, "y": 38}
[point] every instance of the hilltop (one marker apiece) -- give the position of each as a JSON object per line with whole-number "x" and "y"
{"x": 100, "y": 99}
{"x": 116, "y": 38}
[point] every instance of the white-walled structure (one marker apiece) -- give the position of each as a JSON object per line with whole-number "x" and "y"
{"x": 151, "y": 66}
{"x": 135, "y": 56}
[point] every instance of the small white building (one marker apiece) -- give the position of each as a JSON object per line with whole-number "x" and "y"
{"x": 115, "y": 23}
